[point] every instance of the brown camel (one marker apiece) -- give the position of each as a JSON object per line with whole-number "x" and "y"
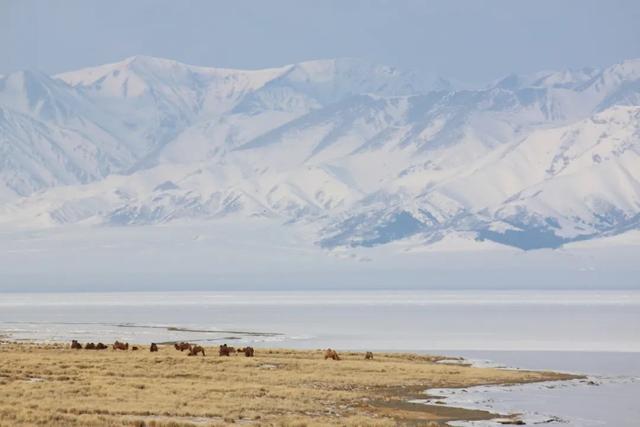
{"x": 90, "y": 346}
{"x": 331, "y": 354}
{"x": 195, "y": 350}
{"x": 153, "y": 348}
{"x": 368, "y": 355}
{"x": 248, "y": 351}
{"x": 76, "y": 345}
{"x": 225, "y": 350}
{"x": 120, "y": 345}
{"x": 134, "y": 348}
{"x": 182, "y": 346}
{"x": 101, "y": 346}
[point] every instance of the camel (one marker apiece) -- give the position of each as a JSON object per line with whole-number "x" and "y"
{"x": 134, "y": 348}
{"x": 368, "y": 355}
{"x": 331, "y": 354}
{"x": 101, "y": 346}
{"x": 195, "y": 350}
{"x": 120, "y": 345}
{"x": 225, "y": 350}
{"x": 153, "y": 348}
{"x": 90, "y": 346}
{"x": 248, "y": 351}
{"x": 76, "y": 345}
{"x": 182, "y": 346}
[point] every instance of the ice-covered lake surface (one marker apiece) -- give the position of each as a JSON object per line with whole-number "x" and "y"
{"x": 404, "y": 320}
{"x": 591, "y": 332}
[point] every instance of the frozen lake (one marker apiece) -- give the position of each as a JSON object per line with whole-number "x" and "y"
{"x": 591, "y": 332}
{"x": 403, "y": 320}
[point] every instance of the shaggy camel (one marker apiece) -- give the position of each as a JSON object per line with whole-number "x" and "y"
{"x": 331, "y": 354}
{"x": 195, "y": 350}
{"x": 248, "y": 351}
{"x": 225, "y": 350}
{"x": 182, "y": 346}
{"x": 120, "y": 345}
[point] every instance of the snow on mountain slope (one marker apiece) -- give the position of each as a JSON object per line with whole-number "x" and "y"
{"x": 136, "y": 112}
{"x": 52, "y": 135}
{"x": 158, "y": 100}
{"x": 580, "y": 181}
{"x": 354, "y": 154}
{"x": 39, "y": 154}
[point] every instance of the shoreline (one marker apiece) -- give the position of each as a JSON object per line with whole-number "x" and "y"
{"x": 287, "y": 387}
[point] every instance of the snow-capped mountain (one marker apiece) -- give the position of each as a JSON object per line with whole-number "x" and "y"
{"x": 354, "y": 153}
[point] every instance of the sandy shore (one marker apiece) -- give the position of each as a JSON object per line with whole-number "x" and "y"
{"x": 54, "y": 385}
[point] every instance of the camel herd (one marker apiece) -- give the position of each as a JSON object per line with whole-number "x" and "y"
{"x": 91, "y": 346}
{"x": 194, "y": 349}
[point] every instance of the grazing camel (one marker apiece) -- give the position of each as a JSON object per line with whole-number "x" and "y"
{"x": 195, "y": 350}
{"x": 182, "y": 346}
{"x": 90, "y": 346}
{"x": 248, "y": 351}
{"x": 225, "y": 350}
{"x": 101, "y": 346}
{"x": 76, "y": 345}
{"x": 120, "y": 345}
{"x": 153, "y": 348}
{"x": 368, "y": 355}
{"x": 331, "y": 354}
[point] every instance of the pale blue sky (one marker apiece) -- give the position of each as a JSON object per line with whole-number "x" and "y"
{"x": 472, "y": 41}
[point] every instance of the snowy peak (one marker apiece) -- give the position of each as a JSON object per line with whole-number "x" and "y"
{"x": 134, "y": 76}
{"x": 565, "y": 79}
{"x": 578, "y": 79}
{"x": 116, "y": 74}
{"x": 349, "y": 76}
{"x": 34, "y": 93}
{"x": 159, "y": 69}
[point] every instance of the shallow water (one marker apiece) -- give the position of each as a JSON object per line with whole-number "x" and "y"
{"x": 608, "y": 397}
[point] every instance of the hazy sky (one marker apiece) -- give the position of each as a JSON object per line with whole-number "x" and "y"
{"x": 472, "y": 41}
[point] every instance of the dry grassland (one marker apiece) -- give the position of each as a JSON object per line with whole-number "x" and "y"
{"x": 52, "y": 385}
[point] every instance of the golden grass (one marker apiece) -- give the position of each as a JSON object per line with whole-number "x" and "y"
{"x": 53, "y": 385}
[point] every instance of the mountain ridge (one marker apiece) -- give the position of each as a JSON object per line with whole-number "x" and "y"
{"x": 357, "y": 154}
